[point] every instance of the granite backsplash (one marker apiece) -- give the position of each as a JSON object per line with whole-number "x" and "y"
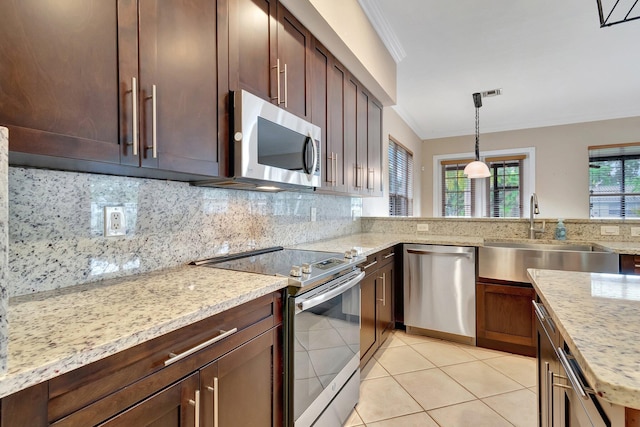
{"x": 56, "y": 225}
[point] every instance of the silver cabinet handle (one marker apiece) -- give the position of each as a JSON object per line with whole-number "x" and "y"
{"x": 369, "y": 265}
{"x": 216, "y": 394}
{"x": 196, "y": 404}
{"x": 571, "y": 375}
{"x": 154, "y": 122}
{"x": 384, "y": 290}
{"x": 372, "y": 175}
{"x": 277, "y": 97}
{"x": 549, "y": 380}
{"x": 335, "y": 176}
{"x": 134, "y": 114}
{"x": 389, "y": 255}
{"x": 175, "y": 357}
{"x": 538, "y": 311}
{"x": 286, "y": 90}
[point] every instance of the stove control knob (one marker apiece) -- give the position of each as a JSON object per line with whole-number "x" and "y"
{"x": 306, "y": 268}
{"x": 296, "y": 271}
{"x": 347, "y": 254}
{"x": 354, "y": 252}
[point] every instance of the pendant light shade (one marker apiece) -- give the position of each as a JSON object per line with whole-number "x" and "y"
{"x": 477, "y": 169}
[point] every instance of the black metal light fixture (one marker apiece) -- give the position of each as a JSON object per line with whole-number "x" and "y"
{"x": 477, "y": 169}
{"x": 617, "y": 11}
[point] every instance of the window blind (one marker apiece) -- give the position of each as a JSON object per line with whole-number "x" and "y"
{"x": 504, "y": 186}
{"x": 400, "y": 180}
{"x": 458, "y": 191}
{"x": 614, "y": 181}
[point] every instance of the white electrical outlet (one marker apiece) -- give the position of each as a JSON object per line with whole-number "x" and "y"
{"x": 635, "y": 231}
{"x": 114, "y": 221}
{"x": 313, "y": 214}
{"x": 609, "y": 230}
{"x": 423, "y": 227}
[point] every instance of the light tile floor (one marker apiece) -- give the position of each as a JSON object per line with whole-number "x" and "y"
{"x": 415, "y": 381}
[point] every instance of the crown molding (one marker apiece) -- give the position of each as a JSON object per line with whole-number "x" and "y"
{"x": 373, "y": 11}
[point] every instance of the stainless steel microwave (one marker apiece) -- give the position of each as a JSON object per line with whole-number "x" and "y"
{"x": 273, "y": 147}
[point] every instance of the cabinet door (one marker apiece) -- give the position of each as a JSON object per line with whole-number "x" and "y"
{"x": 59, "y": 77}
{"x": 374, "y": 149}
{"x": 249, "y": 381}
{"x": 174, "y": 406}
{"x": 252, "y": 47}
{"x": 362, "y": 140}
{"x": 178, "y": 85}
{"x": 367, "y": 318}
{"x": 350, "y": 134}
{"x": 505, "y": 318}
{"x": 293, "y": 53}
{"x": 338, "y": 123}
{"x": 319, "y": 106}
{"x": 384, "y": 300}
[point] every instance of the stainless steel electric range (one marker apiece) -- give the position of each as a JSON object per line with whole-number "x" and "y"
{"x": 322, "y": 329}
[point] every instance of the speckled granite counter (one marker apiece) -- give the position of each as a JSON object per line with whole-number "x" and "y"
{"x": 370, "y": 243}
{"x": 55, "y": 332}
{"x": 598, "y": 315}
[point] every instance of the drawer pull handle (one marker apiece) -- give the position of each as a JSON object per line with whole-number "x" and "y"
{"x": 369, "y": 265}
{"x": 389, "y": 255}
{"x": 196, "y": 403}
{"x": 175, "y": 357}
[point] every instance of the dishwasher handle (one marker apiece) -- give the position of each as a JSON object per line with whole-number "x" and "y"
{"x": 423, "y": 252}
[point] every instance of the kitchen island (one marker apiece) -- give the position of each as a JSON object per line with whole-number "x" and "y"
{"x": 597, "y": 316}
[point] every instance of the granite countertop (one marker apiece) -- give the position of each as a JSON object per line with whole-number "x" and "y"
{"x": 52, "y": 333}
{"x": 598, "y": 315}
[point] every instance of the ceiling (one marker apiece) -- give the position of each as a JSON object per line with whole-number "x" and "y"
{"x": 552, "y": 60}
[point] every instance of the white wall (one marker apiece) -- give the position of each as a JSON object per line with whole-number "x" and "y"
{"x": 562, "y": 169}
{"x": 393, "y": 125}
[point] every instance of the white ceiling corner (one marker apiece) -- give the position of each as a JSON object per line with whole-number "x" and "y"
{"x": 383, "y": 28}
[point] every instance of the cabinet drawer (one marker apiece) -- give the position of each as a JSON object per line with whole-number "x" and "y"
{"x": 370, "y": 265}
{"x": 630, "y": 264}
{"x": 386, "y": 256}
{"x": 78, "y": 397}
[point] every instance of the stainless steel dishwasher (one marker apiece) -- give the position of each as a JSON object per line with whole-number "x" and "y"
{"x": 439, "y": 291}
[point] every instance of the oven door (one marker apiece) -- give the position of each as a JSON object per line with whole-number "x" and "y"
{"x": 326, "y": 344}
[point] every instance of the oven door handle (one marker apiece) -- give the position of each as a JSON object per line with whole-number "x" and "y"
{"x": 325, "y": 296}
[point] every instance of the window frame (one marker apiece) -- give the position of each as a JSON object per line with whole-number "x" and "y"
{"x": 495, "y": 163}
{"x": 480, "y": 202}
{"x": 621, "y": 153}
{"x": 409, "y": 183}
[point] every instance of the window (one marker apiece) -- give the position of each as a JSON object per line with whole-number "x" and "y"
{"x": 400, "y": 180}
{"x": 504, "y": 187}
{"x": 502, "y": 195}
{"x": 614, "y": 181}
{"x": 457, "y": 190}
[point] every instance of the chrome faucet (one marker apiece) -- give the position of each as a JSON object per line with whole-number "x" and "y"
{"x": 534, "y": 210}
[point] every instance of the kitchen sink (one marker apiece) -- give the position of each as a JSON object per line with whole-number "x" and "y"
{"x": 509, "y": 261}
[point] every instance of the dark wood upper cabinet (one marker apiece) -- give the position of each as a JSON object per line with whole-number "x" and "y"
{"x": 59, "y": 77}
{"x": 269, "y": 53}
{"x": 68, "y": 72}
{"x": 374, "y": 149}
{"x": 294, "y": 46}
{"x": 177, "y": 65}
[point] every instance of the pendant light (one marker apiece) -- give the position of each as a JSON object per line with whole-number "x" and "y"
{"x": 477, "y": 169}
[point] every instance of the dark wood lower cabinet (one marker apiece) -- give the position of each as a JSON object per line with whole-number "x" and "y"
{"x": 173, "y": 406}
{"x": 505, "y": 317}
{"x": 238, "y": 377}
{"x": 376, "y": 305}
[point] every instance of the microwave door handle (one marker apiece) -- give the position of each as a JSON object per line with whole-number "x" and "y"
{"x": 315, "y": 155}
